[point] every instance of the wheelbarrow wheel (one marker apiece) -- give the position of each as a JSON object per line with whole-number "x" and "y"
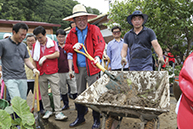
{"x": 109, "y": 122}
{"x": 152, "y": 124}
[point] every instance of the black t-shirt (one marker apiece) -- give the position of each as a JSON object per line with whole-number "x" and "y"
{"x": 140, "y": 47}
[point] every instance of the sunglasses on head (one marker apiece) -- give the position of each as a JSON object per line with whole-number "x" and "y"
{"x": 116, "y": 32}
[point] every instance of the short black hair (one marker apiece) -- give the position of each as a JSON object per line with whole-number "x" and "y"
{"x": 18, "y": 26}
{"x": 116, "y": 27}
{"x": 60, "y": 31}
{"x": 31, "y": 35}
{"x": 39, "y": 30}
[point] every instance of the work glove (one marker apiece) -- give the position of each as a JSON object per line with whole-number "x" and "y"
{"x": 41, "y": 61}
{"x": 36, "y": 71}
{"x": 161, "y": 60}
{"x": 95, "y": 61}
{"x": 123, "y": 61}
{"x": 77, "y": 46}
{"x": 71, "y": 74}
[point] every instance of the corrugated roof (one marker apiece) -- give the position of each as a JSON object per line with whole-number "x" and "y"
{"x": 4, "y": 21}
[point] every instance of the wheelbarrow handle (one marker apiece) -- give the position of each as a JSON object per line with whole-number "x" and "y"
{"x": 106, "y": 63}
{"x": 159, "y": 67}
{"x": 90, "y": 58}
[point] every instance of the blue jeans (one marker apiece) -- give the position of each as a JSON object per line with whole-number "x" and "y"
{"x": 17, "y": 87}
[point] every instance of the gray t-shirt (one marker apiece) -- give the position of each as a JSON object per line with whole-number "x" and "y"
{"x": 12, "y": 57}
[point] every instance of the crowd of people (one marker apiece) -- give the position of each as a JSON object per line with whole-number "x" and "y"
{"x": 58, "y": 64}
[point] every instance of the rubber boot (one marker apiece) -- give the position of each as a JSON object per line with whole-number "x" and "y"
{"x": 65, "y": 101}
{"x": 41, "y": 107}
{"x": 96, "y": 117}
{"x": 74, "y": 96}
{"x": 80, "y": 116}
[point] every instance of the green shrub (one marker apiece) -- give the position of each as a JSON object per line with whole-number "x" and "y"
{"x": 20, "y": 107}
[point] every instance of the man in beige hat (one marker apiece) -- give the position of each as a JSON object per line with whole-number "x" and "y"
{"x": 85, "y": 70}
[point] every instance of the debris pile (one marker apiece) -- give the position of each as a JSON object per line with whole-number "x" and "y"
{"x": 128, "y": 93}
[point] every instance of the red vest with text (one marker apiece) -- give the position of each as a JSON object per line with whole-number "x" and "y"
{"x": 49, "y": 66}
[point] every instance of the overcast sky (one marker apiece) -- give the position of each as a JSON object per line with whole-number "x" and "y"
{"x": 101, "y": 5}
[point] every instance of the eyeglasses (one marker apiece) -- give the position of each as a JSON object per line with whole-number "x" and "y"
{"x": 61, "y": 37}
{"x": 31, "y": 40}
{"x": 116, "y": 32}
{"x": 81, "y": 19}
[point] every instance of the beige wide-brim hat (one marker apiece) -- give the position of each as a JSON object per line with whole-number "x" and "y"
{"x": 79, "y": 10}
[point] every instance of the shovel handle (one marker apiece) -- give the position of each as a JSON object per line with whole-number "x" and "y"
{"x": 33, "y": 104}
{"x": 90, "y": 58}
{"x": 37, "y": 92}
{"x": 5, "y": 91}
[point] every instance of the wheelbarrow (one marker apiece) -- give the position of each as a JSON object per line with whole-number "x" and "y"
{"x": 157, "y": 81}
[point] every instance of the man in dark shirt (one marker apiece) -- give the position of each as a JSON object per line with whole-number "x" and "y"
{"x": 65, "y": 70}
{"x": 139, "y": 40}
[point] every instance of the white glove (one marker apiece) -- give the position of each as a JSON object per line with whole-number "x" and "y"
{"x": 96, "y": 60}
{"x": 77, "y": 46}
{"x": 161, "y": 60}
{"x": 36, "y": 71}
{"x": 71, "y": 74}
{"x": 42, "y": 60}
{"x": 123, "y": 61}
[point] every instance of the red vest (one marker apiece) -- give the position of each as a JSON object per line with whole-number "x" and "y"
{"x": 49, "y": 66}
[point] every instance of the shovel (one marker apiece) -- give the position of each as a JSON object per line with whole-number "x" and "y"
{"x": 36, "y": 92}
{"x": 115, "y": 81}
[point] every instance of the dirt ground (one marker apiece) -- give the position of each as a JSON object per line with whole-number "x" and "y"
{"x": 167, "y": 120}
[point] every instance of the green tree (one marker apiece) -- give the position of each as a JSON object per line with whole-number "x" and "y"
{"x": 92, "y": 10}
{"x": 19, "y": 9}
{"x": 1, "y": 4}
{"x": 170, "y": 19}
{"x": 50, "y": 11}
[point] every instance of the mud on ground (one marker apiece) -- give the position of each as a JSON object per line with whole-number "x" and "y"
{"x": 167, "y": 120}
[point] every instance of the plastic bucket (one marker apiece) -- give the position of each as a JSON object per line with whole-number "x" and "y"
{"x": 176, "y": 78}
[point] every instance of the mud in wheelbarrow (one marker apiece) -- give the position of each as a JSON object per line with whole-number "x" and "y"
{"x": 156, "y": 81}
